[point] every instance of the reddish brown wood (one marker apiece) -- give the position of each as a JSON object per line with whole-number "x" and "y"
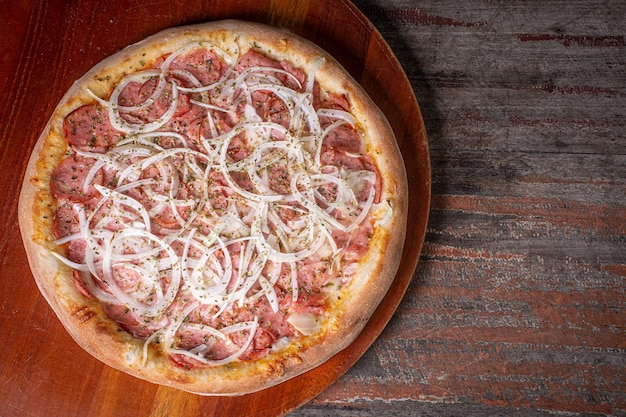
{"x": 41, "y": 369}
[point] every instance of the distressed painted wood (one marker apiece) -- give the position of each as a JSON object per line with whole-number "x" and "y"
{"x": 518, "y": 303}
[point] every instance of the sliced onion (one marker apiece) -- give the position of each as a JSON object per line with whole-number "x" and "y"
{"x": 211, "y": 238}
{"x": 338, "y": 114}
{"x": 118, "y": 122}
{"x": 315, "y": 66}
{"x": 305, "y": 323}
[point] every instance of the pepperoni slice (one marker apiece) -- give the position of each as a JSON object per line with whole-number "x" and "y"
{"x": 88, "y": 128}
{"x": 343, "y": 138}
{"x": 65, "y": 221}
{"x": 203, "y": 64}
{"x": 68, "y": 179}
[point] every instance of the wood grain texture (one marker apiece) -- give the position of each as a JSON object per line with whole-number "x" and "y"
{"x": 518, "y": 303}
{"x": 517, "y": 306}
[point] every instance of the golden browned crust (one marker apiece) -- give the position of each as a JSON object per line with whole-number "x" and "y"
{"x": 85, "y": 319}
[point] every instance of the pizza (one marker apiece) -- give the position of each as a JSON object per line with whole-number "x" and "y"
{"x": 217, "y": 208}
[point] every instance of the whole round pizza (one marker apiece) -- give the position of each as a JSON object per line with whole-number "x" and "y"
{"x": 217, "y": 208}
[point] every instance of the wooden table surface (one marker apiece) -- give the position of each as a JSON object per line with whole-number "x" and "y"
{"x": 518, "y": 303}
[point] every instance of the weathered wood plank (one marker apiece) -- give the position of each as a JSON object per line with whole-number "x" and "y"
{"x": 518, "y": 301}
{"x": 491, "y": 80}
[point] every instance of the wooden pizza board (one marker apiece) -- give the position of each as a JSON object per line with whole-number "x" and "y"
{"x": 51, "y": 375}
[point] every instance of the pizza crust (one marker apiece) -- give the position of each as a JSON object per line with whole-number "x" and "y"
{"x": 85, "y": 319}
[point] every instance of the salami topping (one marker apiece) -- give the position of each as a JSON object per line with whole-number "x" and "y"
{"x": 88, "y": 128}
{"x": 74, "y": 179}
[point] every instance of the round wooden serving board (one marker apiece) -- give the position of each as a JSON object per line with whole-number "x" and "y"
{"x": 72, "y": 37}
